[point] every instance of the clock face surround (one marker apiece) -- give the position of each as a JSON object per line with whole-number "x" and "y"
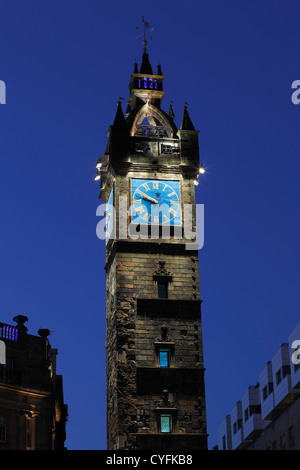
{"x": 155, "y": 202}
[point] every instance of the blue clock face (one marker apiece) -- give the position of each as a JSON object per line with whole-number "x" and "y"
{"x": 156, "y": 202}
{"x": 109, "y": 215}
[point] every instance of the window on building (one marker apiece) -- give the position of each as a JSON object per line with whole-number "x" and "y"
{"x": 166, "y": 149}
{"x": 291, "y": 437}
{"x": 164, "y": 357}
{"x": 224, "y": 442}
{"x": 28, "y": 433}
{"x": 286, "y": 370}
{"x": 274, "y": 445}
{"x": 265, "y": 392}
{"x": 278, "y": 376}
{"x": 162, "y": 290}
{"x": 6, "y": 372}
{"x": 2, "y": 428}
{"x": 246, "y": 414}
{"x": 254, "y": 409}
{"x": 282, "y": 441}
{"x": 166, "y": 423}
{"x": 234, "y": 428}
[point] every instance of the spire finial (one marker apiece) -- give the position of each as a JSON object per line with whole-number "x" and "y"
{"x": 146, "y": 25}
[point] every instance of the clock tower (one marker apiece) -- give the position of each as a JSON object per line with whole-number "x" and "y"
{"x": 155, "y": 369}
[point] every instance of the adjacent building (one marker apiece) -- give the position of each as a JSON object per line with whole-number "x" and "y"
{"x": 33, "y": 414}
{"x": 268, "y": 415}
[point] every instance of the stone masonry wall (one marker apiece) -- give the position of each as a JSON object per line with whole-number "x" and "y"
{"x": 130, "y": 346}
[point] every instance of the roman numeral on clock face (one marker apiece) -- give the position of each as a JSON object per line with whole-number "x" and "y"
{"x": 172, "y": 211}
{"x": 139, "y": 210}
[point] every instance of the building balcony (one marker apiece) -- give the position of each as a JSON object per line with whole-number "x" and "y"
{"x": 282, "y": 377}
{"x": 8, "y": 332}
{"x": 253, "y": 422}
{"x": 182, "y": 379}
{"x": 237, "y": 433}
{"x": 266, "y": 391}
{"x": 150, "y": 131}
{"x": 224, "y": 434}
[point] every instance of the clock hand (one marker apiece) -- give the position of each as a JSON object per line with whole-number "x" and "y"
{"x": 148, "y": 197}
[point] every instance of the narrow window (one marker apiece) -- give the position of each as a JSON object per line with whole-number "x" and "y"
{"x": 254, "y": 409}
{"x": 162, "y": 290}
{"x": 285, "y": 371}
{"x": 278, "y": 376}
{"x": 291, "y": 437}
{"x": 282, "y": 441}
{"x": 28, "y": 433}
{"x": 166, "y": 423}
{"x": 265, "y": 393}
{"x": 164, "y": 357}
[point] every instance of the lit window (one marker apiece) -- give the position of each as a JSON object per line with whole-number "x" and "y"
{"x": 166, "y": 423}
{"x": 164, "y": 357}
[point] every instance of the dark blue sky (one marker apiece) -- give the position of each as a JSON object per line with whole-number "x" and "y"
{"x": 65, "y": 64}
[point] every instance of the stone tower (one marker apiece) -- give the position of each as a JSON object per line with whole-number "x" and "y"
{"x": 155, "y": 369}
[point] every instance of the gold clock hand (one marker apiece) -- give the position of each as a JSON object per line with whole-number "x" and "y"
{"x": 148, "y": 197}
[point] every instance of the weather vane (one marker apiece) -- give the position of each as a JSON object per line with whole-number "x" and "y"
{"x": 146, "y": 26}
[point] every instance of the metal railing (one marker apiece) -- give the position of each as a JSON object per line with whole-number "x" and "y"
{"x": 8, "y": 332}
{"x": 150, "y": 131}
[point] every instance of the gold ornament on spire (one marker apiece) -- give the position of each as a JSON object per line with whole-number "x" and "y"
{"x": 146, "y": 26}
